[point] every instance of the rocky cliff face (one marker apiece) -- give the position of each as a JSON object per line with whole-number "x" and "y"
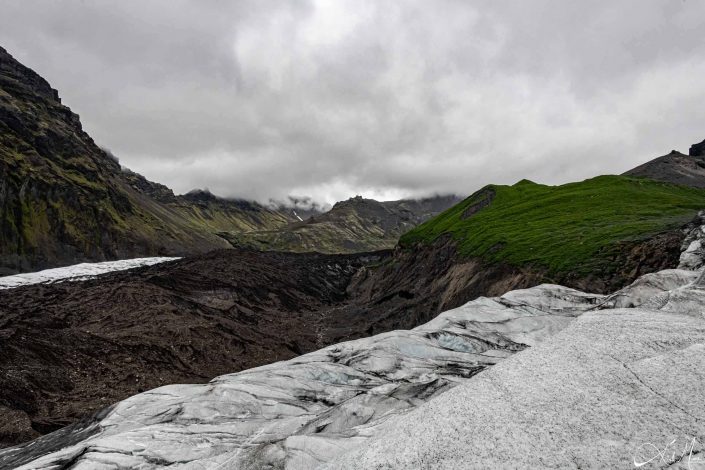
{"x": 64, "y": 200}
{"x": 56, "y": 197}
{"x": 697, "y": 150}
{"x": 352, "y": 226}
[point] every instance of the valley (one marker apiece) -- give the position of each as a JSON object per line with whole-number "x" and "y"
{"x": 65, "y": 200}
{"x": 360, "y": 402}
{"x": 98, "y": 341}
{"x": 350, "y": 226}
{"x": 526, "y": 325}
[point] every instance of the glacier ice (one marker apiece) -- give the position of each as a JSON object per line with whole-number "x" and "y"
{"x": 577, "y": 380}
{"x": 77, "y": 272}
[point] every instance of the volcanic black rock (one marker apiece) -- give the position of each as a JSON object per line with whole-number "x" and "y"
{"x": 697, "y": 150}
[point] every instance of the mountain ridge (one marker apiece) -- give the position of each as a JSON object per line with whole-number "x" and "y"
{"x": 675, "y": 167}
{"x": 518, "y": 224}
{"x": 65, "y": 200}
{"x": 354, "y": 225}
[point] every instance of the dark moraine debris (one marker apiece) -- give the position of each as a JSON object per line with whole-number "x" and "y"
{"x": 70, "y": 349}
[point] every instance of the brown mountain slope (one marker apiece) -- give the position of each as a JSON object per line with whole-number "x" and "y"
{"x": 677, "y": 168}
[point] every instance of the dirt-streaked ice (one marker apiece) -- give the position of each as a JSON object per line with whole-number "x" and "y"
{"x": 303, "y": 412}
{"x": 618, "y": 388}
{"x": 76, "y": 272}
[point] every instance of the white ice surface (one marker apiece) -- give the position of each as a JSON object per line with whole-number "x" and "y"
{"x": 77, "y": 272}
{"x": 617, "y": 388}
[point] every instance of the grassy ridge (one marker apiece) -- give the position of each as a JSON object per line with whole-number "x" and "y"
{"x": 573, "y": 227}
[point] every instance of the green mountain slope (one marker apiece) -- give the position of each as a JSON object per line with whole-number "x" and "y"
{"x": 578, "y": 228}
{"x": 355, "y": 225}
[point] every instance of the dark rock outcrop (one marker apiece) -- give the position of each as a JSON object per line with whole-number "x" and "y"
{"x": 697, "y": 150}
{"x": 483, "y": 199}
{"x": 156, "y": 191}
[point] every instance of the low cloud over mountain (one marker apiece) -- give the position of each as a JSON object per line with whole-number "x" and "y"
{"x": 333, "y": 99}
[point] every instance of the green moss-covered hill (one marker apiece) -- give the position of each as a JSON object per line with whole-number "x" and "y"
{"x": 578, "y": 227}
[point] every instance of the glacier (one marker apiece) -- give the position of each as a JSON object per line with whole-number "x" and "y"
{"x": 571, "y": 369}
{"x": 302, "y": 412}
{"x": 545, "y": 377}
{"x": 78, "y": 272}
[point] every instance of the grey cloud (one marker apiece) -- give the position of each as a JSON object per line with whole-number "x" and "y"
{"x": 265, "y": 99}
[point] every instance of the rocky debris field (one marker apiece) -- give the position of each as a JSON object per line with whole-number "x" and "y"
{"x": 72, "y": 348}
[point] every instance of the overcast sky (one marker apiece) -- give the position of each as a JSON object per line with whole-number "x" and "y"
{"x": 264, "y": 99}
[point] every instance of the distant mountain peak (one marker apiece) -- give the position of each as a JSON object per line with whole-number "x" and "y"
{"x": 23, "y": 76}
{"x": 199, "y": 194}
